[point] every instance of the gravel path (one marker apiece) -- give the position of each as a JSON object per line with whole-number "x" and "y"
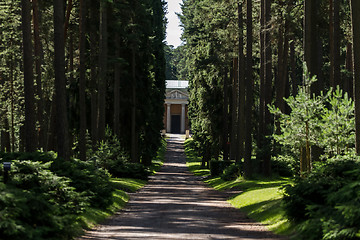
{"x": 176, "y": 205}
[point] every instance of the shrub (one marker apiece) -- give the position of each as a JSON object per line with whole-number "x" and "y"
{"x": 92, "y": 182}
{"x": 217, "y": 167}
{"x": 110, "y": 156}
{"x": 327, "y": 202}
{"x": 37, "y": 204}
{"x": 231, "y": 172}
{"x": 285, "y": 166}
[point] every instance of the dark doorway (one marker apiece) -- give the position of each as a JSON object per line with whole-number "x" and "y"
{"x": 175, "y": 124}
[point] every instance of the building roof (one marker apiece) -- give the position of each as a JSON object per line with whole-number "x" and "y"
{"x": 177, "y": 84}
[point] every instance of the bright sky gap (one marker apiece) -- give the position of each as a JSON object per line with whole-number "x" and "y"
{"x": 173, "y": 31}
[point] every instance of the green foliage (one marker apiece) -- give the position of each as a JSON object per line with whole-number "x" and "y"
{"x": 338, "y": 124}
{"x": 232, "y": 172}
{"x": 92, "y": 182}
{"x": 86, "y": 178}
{"x": 217, "y": 167}
{"x": 326, "y": 203}
{"x": 37, "y": 204}
{"x": 326, "y": 121}
{"x": 284, "y": 165}
{"x": 111, "y": 156}
{"x": 303, "y": 124}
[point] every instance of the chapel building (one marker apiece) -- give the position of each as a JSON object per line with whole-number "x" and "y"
{"x": 176, "y": 106}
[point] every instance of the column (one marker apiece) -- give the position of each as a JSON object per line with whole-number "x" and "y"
{"x": 182, "y": 118}
{"x": 168, "y": 118}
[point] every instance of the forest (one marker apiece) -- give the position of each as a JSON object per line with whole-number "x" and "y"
{"x": 81, "y": 102}
{"x": 274, "y": 90}
{"x": 274, "y": 93}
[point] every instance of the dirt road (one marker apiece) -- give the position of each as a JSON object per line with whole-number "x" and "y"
{"x": 177, "y": 205}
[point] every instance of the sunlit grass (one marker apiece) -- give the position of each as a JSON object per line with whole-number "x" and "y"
{"x": 259, "y": 198}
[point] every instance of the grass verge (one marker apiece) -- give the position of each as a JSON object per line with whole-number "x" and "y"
{"x": 259, "y": 198}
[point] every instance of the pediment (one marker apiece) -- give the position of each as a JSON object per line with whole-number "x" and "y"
{"x": 177, "y": 94}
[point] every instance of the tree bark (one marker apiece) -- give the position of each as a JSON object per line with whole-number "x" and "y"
{"x": 335, "y": 77}
{"x": 226, "y": 119}
{"x": 268, "y": 86}
{"x": 355, "y": 18}
{"x": 134, "y": 135}
{"x": 348, "y": 85}
{"x": 42, "y": 136}
{"x": 82, "y": 80}
{"x": 312, "y": 44}
{"x": 241, "y": 85}
{"x": 117, "y": 87}
{"x": 234, "y": 109}
{"x": 67, "y": 19}
{"x": 93, "y": 72}
{"x": 249, "y": 91}
{"x": 103, "y": 70}
{"x": 60, "y": 82}
{"x": 30, "y": 141}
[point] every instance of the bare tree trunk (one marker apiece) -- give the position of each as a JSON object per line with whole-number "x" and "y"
{"x": 60, "y": 82}
{"x": 355, "y": 18}
{"x": 241, "y": 72}
{"x": 38, "y": 64}
{"x": 312, "y": 45}
{"x": 30, "y": 142}
{"x": 337, "y": 35}
{"x": 249, "y": 91}
{"x": 93, "y": 73}
{"x": 226, "y": 119}
{"x": 268, "y": 85}
{"x": 117, "y": 88}
{"x": 82, "y": 81}
{"x": 67, "y": 19}
{"x": 103, "y": 69}
{"x": 348, "y": 85}
{"x": 134, "y": 135}
{"x": 234, "y": 110}
{"x": 334, "y": 8}
{"x": 261, "y": 125}
{"x": 5, "y": 136}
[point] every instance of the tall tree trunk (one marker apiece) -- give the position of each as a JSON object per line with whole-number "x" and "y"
{"x": 262, "y": 90}
{"x": 312, "y": 44}
{"x": 67, "y": 19}
{"x": 355, "y": 18}
{"x": 249, "y": 91}
{"x": 334, "y": 8}
{"x": 241, "y": 85}
{"x": 226, "y": 119}
{"x": 82, "y": 80}
{"x": 234, "y": 109}
{"x": 60, "y": 82}
{"x": 38, "y": 63}
{"x": 117, "y": 87}
{"x": 268, "y": 86}
{"x": 134, "y": 135}
{"x": 30, "y": 142}
{"x": 93, "y": 71}
{"x": 348, "y": 85}
{"x": 103, "y": 69}
{"x": 5, "y": 136}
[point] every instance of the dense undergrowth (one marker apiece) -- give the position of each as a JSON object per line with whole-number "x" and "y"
{"x": 48, "y": 198}
{"x": 323, "y": 204}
